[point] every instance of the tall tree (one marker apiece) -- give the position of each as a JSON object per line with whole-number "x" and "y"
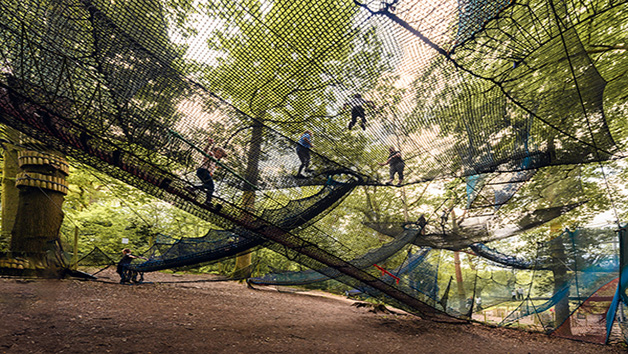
{"x": 275, "y": 68}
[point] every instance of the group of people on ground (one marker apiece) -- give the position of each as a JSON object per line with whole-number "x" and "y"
{"x": 518, "y": 293}
{"x": 478, "y": 303}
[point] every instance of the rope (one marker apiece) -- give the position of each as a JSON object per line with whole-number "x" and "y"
{"x": 385, "y": 272}
{"x": 458, "y": 66}
{"x": 584, "y": 111}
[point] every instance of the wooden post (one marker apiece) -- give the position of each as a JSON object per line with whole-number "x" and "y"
{"x": 42, "y": 188}
{"x": 75, "y": 248}
{"x": 9, "y": 191}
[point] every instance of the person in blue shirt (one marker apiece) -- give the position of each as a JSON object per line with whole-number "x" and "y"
{"x": 303, "y": 152}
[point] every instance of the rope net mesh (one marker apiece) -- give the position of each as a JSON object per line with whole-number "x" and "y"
{"x": 493, "y": 94}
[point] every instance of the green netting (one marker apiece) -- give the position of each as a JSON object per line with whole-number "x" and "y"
{"x": 95, "y": 258}
{"x": 495, "y": 91}
{"x": 371, "y": 258}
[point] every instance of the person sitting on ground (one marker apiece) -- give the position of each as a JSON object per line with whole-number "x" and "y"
{"x": 123, "y": 265}
{"x": 303, "y": 152}
{"x": 357, "y": 104}
{"x": 206, "y": 171}
{"x": 396, "y": 165}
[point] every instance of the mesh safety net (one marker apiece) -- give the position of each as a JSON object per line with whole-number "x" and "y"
{"x": 520, "y": 103}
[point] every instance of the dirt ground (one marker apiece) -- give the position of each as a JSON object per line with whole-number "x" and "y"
{"x": 193, "y": 314}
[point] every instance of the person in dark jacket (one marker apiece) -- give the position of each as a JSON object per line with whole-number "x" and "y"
{"x": 123, "y": 265}
{"x": 206, "y": 171}
{"x": 357, "y": 104}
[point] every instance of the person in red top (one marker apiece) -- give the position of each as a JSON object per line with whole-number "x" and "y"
{"x": 206, "y": 171}
{"x": 396, "y": 165}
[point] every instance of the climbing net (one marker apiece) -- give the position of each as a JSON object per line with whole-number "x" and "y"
{"x": 521, "y": 103}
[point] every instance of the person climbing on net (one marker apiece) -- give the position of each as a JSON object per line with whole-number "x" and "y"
{"x": 304, "y": 144}
{"x": 396, "y": 165}
{"x": 127, "y": 275}
{"x": 357, "y": 104}
{"x": 205, "y": 172}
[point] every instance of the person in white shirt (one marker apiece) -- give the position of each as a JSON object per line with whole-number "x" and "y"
{"x": 520, "y": 293}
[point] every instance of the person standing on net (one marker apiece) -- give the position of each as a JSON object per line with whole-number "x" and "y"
{"x": 396, "y": 165}
{"x": 206, "y": 171}
{"x": 357, "y": 104}
{"x": 303, "y": 152}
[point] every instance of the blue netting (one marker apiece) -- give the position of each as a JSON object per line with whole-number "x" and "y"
{"x": 581, "y": 263}
{"x": 367, "y": 260}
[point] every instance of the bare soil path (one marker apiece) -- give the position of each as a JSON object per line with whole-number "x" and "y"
{"x": 173, "y": 316}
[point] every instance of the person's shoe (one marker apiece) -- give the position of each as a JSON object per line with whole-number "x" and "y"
{"x": 212, "y": 206}
{"x": 389, "y": 183}
{"x": 399, "y": 184}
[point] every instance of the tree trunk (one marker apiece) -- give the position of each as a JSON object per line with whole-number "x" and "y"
{"x": 559, "y": 270}
{"x": 243, "y": 260}
{"x": 9, "y": 190}
{"x": 406, "y": 214}
{"x": 458, "y": 268}
{"x": 38, "y": 221}
{"x": 42, "y": 188}
{"x": 459, "y": 280}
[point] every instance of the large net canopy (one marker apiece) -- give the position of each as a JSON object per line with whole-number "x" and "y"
{"x": 511, "y": 112}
